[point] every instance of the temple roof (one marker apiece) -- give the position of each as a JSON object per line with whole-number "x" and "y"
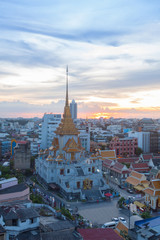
{"x": 72, "y": 146}
{"x": 67, "y": 127}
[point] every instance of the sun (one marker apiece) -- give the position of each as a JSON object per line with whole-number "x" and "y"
{"x": 99, "y": 115}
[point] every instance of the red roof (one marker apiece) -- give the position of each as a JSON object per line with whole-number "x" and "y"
{"x": 107, "y": 162}
{"x": 139, "y": 165}
{"x": 118, "y": 166}
{"x": 147, "y": 156}
{"x": 99, "y": 234}
{"x": 21, "y": 142}
{"x": 127, "y": 160}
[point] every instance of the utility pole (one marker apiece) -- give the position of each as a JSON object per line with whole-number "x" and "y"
{"x": 129, "y": 211}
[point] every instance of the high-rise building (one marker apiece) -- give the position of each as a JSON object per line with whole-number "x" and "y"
{"x": 50, "y": 122}
{"x": 143, "y": 140}
{"x": 73, "y": 109}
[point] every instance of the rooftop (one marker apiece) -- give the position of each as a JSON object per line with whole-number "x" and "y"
{"x": 13, "y": 189}
{"x": 17, "y": 212}
{"x": 8, "y": 180}
{"x": 99, "y": 234}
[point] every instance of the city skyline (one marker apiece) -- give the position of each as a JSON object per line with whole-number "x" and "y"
{"x": 111, "y": 47}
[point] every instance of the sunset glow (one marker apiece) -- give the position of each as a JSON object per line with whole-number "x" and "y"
{"x": 112, "y": 50}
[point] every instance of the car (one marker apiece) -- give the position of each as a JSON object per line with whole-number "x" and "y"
{"x": 115, "y": 219}
{"x": 122, "y": 219}
{"x": 130, "y": 190}
{"x": 109, "y": 225}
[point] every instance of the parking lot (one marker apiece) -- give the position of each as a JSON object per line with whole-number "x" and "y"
{"x": 99, "y": 213}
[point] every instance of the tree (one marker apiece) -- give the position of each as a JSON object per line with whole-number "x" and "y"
{"x": 146, "y": 215}
{"x": 124, "y": 234}
{"x": 33, "y": 161}
{"x": 121, "y": 201}
{"x": 138, "y": 151}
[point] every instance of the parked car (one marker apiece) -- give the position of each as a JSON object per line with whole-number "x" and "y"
{"x": 115, "y": 219}
{"x": 122, "y": 219}
{"x": 130, "y": 190}
{"x": 109, "y": 225}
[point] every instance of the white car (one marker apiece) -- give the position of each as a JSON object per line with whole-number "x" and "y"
{"x": 122, "y": 219}
{"x": 115, "y": 219}
{"x": 109, "y": 225}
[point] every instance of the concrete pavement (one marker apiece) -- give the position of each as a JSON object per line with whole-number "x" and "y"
{"x": 99, "y": 213}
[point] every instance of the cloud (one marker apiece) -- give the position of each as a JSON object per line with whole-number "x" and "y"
{"x": 112, "y": 50}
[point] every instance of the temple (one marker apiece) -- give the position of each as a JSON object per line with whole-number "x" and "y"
{"x": 66, "y": 165}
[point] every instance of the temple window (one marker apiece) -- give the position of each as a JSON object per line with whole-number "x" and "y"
{"x": 61, "y": 171}
{"x": 93, "y": 169}
{"x": 89, "y": 169}
{"x": 68, "y": 170}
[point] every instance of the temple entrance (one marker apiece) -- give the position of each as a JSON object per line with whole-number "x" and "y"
{"x": 72, "y": 156}
{"x": 87, "y": 184}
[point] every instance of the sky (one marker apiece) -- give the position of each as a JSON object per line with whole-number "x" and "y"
{"x": 111, "y": 47}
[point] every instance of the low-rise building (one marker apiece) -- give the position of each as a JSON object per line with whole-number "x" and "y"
{"x": 115, "y": 170}
{"x": 99, "y": 233}
{"x": 135, "y": 179}
{"x": 145, "y": 157}
{"x": 147, "y": 229}
{"x": 5, "y": 183}
{"x": 14, "y": 193}
{"x": 108, "y": 154}
{"x": 2, "y": 233}
{"x": 140, "y": 167}
{"x": 17, "y": 219}
{"x": 152, "y": 194}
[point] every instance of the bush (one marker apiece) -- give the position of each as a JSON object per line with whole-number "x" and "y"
{"x": 66, "y": 213}
{"x": 146, "y": 215}
{"x": 36, "y": 198}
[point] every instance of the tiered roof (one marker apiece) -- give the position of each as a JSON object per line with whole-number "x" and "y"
{"x": 154, "y": 188}
{"x": 140, "y": 167}
{"x": 67, "y": 127}
{"x": 135, "y": 178}
{"x": 109, "y": 154}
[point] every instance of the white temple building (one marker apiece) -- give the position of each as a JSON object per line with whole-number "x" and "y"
{"x": 65, "y": 164}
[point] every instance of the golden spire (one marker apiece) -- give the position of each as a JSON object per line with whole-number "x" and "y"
{"x": 67, "y": 86}
{"x": 67, "y": 127}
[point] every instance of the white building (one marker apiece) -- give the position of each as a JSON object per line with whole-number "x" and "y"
{"x": 85, "y": 139}
{"x": 143, "y": 140}
{"x": 73, "y": 109}
{"x": 115, "y": 128}
{"x": 50, "y": 122}
{"x": 35, "y": 145}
